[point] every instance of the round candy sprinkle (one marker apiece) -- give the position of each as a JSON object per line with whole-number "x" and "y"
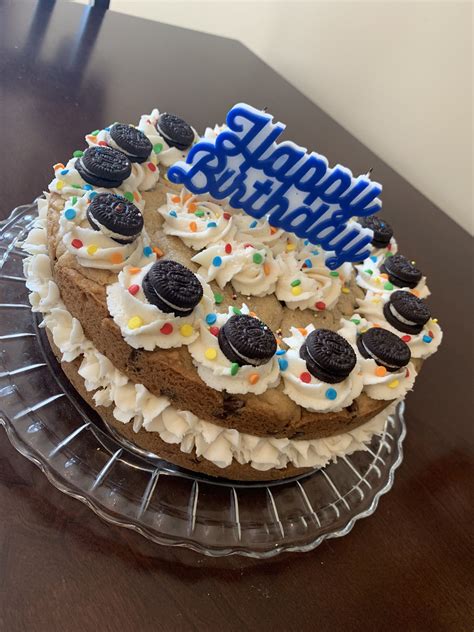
{"x": 64, "y": 172}
{"x": 369, "y": 272}
{"x": 226, "y": 215}
{"x": 193, "y": 227}
{"x": 257, "y": 258}
{"x": 406, "y": 338}
{"x": 78, "y": 153}
{"x": 167, "y": 329}
{"x": 305, "y": 377}
{"x": 380, "y": 371}
{"x": 303, "y": 331}
{"x": 95, "y": 132}
{"x": 394, "y": 384}
{"x": 173, "y": 214}
{"x": 356, "y": 321}
{"x": 135, "y": 322}
{"x": 92, "y": 249}
{"x": 388, "y": 286}
{"x": 212, "y": 225}
{"x": 102, "y": 143}
{"x": 331, "y": 393}
{"x": 186, "y": 330}
{"x": 199, "y": 213}
{"x": 158, "y": 252}
{"x": 134, "y": 270}
{"x": 234, "y": 368}
{"x": 334, "y": 273}
{"x": 296, "y": 291}
{"x": 266, "y": 269}
{"x": 59, "y": 185}
{"x": 133, "y": 289}
{"x": 290, "y": 247}
{"x": 211, "y": 354}
{"x": 214, "y": 330}
{"x": 373, "y": 258}
{"x": 92, "y": 195}
{"x": 228, "y": 249}
{"x": 151, "y": 166}
{"x": 253, "y": 378}
{"x": 315, "y": 252}
{"x": 345, "y": 290}
{"x": 157, "y": 148}
{"x": 218, "y": 298}
{"x": 253, "y": 224}
{"x": 116, "y": 257}
{"x": 75, "y": 186}
{"x": 283, "y": 362}
{"x": 147, "y": 251}
{"x": 136, "y": 196}
{"x": 427, "y": 339}
{"x": 211, "y": 319}
{"x": 58, "y": 165}
{"x": 87, "y": 187}
{"x": 128, "y": 196}
{"x": 280, "y": 352}
{"x": 295, "y": 283}
{"x": 320, "y": 305}
{"x": 273, "y": 230}
{"x": 236, "y": 311}
{"x": 70, "y": 213}
{"x": 74, "y": 200}
{"x": 217, "y": 261}
{"x": 76, "y": 243}
{"x": 308, "y": 263}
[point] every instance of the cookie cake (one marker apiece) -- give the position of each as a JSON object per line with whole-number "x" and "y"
{"x": 218, "y": 341}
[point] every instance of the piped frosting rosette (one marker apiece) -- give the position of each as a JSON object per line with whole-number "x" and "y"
{"x": 370, "y": 276}
{"x": 252, "y": 270}
{"x": 379, "y": 383}
{"x": 197, "y": 221}
{"x": 255, "y": 231}
{"x": 220, "y": 373}
{"x": 167, "y": 154}
{"x": 94, "y": 248}
{"x": 211, "y": 133}
{"x": 307, "y": 390}
{"x": 422, "y": 344}
{"x": 145, "y": 326}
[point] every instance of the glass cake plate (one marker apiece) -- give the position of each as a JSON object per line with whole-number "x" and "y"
{"x": 48, "y": 422}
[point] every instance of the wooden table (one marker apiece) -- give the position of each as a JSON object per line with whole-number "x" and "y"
{"x": 67, "y": 69}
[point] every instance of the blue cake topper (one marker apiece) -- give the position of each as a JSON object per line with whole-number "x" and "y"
{"x": 298, "y": 191}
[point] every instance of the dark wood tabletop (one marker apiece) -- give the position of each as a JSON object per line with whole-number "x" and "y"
{"x": 66, "y": 69}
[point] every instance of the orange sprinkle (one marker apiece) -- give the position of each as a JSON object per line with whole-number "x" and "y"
{"x": 375, "y": 325}
{"x": 273, "y": 230}
{"x": 175, "y": 199}
{"x": 278, "y": 341}
{"x": 58, "y": 165}
{"x": 116, "y": 257}
{"x": 253, "y": 314}
{"x": 380, "y": 371}
{"x": 415, "y": 292}
{"x": 384, "y": 275}
{"x": 192, "y": 207}
{"x": 136, "y": 196}
{"x": 158, "y": 252}
{"x": 91, "y": 138}
{"x": 266, "y": 269}
{"x": 187, "y": 197}
{"x": 134, "y": 270}
{"x": 302, "y": 331}
{"x": 193, "y": 226}
{"x": 253, "y": 379}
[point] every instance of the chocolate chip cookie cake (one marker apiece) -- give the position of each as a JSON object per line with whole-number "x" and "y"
{"x": 217, "y": 341}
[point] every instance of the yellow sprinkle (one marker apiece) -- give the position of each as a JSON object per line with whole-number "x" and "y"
{"x": 59, "y": 185}
{"x": 362, "y": 331}
{"x": 290, "y": 247}
{"x": 211, "y": 354}
{"x": 434, "y": 320}
{"x": 186, "y": 330}
{"x": 296, "y": 291}
{"x": 375, "y": 301}
{"x": 135, "y": 322}
{"x": 92, "y": 249}
{"x": 345, "y": 290}
{"x": 394, "y": 384}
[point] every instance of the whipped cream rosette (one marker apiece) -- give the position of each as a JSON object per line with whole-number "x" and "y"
{"x": 307, "y": 390}
{"x": 252, "y": 270}
{"x": 210, "y": 133}
{"x": 422, "y": 344}
{"x": 96, "y": 248}
{"x": 370, "y": 276}
{"x": 256, "y": 231}
{"x": 166, "y": 153}
{"x": 220, "y": 373}
{"x": 145, "y": 326}
{"x": 379, "y": 383}
{"x": 197, "y": 221}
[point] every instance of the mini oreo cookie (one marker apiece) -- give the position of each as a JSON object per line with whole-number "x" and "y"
{"x": 383, "y": 232}
{"x": 328, "y": 356}
{"x": 104, "y": 167}
{"x": 247, "y": 340}
{"x": 131, "y": 141}
{"x": 176, "y": 132}
{"x": 406, "y": 312}
{"x": 116, "y": 217}
{"x": 387, "y": 349}
{"x": 172, "y": 287}
{"x": 401, "y": 272}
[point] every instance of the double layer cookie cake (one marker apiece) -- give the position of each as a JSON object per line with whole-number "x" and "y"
{"x": 218, "y": 340}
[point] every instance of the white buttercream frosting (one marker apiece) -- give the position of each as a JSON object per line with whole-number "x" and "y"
{"x": 314, "y": 394}
{"x": 167, "y": 155}
{"x": 210, "y": 133}
{"x": 377, "y": 383}
{"x": 370, "y": 277}
{"x": 153, "y": 328}
{"x": 421, "y": 345}
{"x": 98, "y": 249}
{"x": 197, "y": 221}
{"x": 256, "y": 231}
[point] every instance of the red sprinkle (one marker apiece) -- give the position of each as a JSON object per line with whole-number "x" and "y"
{"x": 248, "y": 245}
{"x": 406, "y": 338}
{"x": 407, "y": 374}
{"x": 214, "y": 330}
{"x": 320, "y": 305}
{"x": 151, "y": 166}
{"x": 133, "y": 289}
{"x": 228, "y": 248}
{"x": 430, "y": 334}
{"x": 103, "y": 143}
{"x": 76, "y": 243}
{"x": 167, "y": 329}
{"x": 226, "y": 215}
{"x": 305, "y": 377}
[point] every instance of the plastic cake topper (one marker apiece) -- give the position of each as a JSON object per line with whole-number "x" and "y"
{"x": 298, "y": 191}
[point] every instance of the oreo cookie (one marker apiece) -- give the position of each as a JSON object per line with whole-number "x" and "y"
{"x": 387, "y": 349}
{"x": 116, "y": 217}
{"x": 247, "y": 340}
{"x": 104, "y": 167}
{"x": 172, "y": 287}
{"x": 131, "y": 141}
{"x": 401, "y": 272}
{"x": 406, "y": 312}
{"x": 383, "y": 232}
{"x": 328, "y": 356}
{"x": 176, "y": 132}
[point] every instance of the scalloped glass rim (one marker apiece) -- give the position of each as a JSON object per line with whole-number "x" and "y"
{"x": 47, "y": 422}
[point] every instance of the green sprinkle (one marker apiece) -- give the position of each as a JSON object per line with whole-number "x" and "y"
{"x": 78, "y": 153}
{"x": 76, "y": 186}
{"x": 218, "y": 298}
{"x": 388, "y": 254}
{"x": 129, "y": 196}
{"x": 295, "y": 283}
{"x": 157, "y": 148}
{"x": 334, "y": 273}
{"x": 74, "y": 200}
{"x": 236, "y": 311}
{"x": 388, "y": 286}
{"x": 199, "y": 213}
{"x": 368, "y": 272}
{"x": 234, "y": 368}
{"x": 95, "y": 132}
{"x": 356, "y": 321}
{"x": 257, "y": 258}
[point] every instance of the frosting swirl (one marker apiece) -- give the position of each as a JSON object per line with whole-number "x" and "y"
{"x": 166, "y": 154}
{"x": 255, "y": 231}
{"x": 144, "y": 325}
{"x": 369, "y": 277}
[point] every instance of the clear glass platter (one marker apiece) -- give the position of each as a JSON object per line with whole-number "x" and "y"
{"x": 48, "y": 422}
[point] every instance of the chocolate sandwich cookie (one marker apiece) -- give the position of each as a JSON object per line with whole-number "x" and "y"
{"x": 131, "y": 141}
{"x": 172, "y": 287}
{"x": 104, "y": 167}
{"x": 383, "y": 232}
{"x": 406, "y": 312}
{"x": 116, "y": 217}
{"x": 247, "y": 340}
{"x": 387, "y": 349}
{"x": 401, "y": 272}
{"x": 176, "y": 132}
{"x": 328, "y": 356}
